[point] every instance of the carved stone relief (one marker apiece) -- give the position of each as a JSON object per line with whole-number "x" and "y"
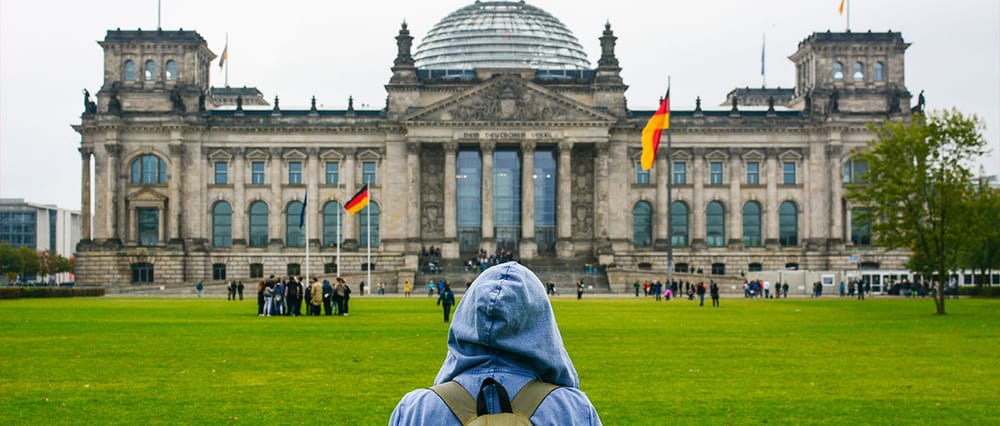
{"x": 432, "y": 191}
{"x": 510, "y": 102}
{"x": 583, "y": 191}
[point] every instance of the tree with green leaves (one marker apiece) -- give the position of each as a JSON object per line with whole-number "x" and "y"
{"x": 10, "y": 263}
{"x": 981, "y": 254}
{"x": 916, "y": 189}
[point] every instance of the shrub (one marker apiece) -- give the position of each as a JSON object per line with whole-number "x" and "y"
{"x": 36, "y": 292}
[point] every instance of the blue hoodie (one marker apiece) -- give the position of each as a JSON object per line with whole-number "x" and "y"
{"x": 504, "y": 328}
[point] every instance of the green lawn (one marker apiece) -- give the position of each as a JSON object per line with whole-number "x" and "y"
{"x": 800, "y": 361}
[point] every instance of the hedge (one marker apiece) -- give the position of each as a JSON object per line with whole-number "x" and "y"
{"x": 19, "y": 292}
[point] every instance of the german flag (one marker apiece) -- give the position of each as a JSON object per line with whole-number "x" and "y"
{"x": 651, "y": 133}
{"x": 358, "y": 202}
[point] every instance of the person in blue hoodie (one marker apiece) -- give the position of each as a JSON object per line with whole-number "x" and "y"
{"x": 503, "y": 329}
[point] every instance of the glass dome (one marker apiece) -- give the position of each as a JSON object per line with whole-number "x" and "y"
{"x": 500, "y": 34}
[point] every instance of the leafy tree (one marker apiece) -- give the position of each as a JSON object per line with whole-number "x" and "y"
{"x": 30, "y": 264}
{"x": 10, "y": 263}
{"x": 981, "y": 253}
{"x": 63, "y": 264}
{"x": 918, "y": 181}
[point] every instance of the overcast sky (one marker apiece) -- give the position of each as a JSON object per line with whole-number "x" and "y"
{"x": 335, "y": 49}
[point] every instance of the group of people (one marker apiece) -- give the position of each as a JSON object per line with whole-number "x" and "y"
{"x": 234, "y": 288}
{"x": 660, "y": 291}
{"x": 484, "y": 260}
{"x": 754, "y": 289}
{"x": 285, "y": 296}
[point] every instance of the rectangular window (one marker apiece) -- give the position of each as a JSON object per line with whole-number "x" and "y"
{"x": 221, "y": 173}
{"x": 142, "y": 273}
{"x": 680, "y": 173}
{"x": 716, "y": 173}
{"x": 641, "y": 176}
{"x": 368, "y": 172}
{"x": 788, "y": 173}
{"x": 293, "y": 269}
{"x": 257, "y": 173}
{"x": 295, "y": 172}
{"x": 332, "y": 173}
{"x": 753, "y": 173}
{"x": 330, "y": 268}
{"x": 218, "y": 271}
{"x": 256, "y": 270}
{"x": 148, "y": 226}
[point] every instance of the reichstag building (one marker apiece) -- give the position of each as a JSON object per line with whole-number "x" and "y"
{"x": 497, "y": 132}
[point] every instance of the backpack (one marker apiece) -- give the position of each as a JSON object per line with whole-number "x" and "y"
{"x": 473, "y": 412}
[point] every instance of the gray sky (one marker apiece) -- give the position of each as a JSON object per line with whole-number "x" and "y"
{"x": 335, "y": 49}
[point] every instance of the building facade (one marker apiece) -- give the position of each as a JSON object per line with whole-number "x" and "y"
{"x": 496, "y": 133}
{"x": 40, "y": 227}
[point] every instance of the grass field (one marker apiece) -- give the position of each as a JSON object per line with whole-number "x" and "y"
{"x": 209, "y": 361}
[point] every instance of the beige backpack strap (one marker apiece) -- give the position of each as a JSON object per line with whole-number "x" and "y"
{"x": 530, "y": 397}
{"x": 462, "y": 405}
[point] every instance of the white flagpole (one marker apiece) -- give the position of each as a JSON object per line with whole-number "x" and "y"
{"x": 305, "y": 206}
{"x": 369, "y": 208}
{"x": 339, "y": 237}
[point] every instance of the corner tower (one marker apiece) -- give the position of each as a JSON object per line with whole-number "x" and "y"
{"x": 851, "y": 73}
{"x": 154, "y": 71}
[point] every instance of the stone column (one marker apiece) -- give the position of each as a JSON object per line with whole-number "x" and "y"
{"x": 601, "y": 192}
{"x": 486, "y": 150}
{"x": 85, "y": 233}
{"x": 413, "y": 209}
{"x": 733, "y": 219}
{"x": 528, "y": 247}
{"x": 661, "y": 171}
{"x": 173, "y": 215}
{"x": 564, "y": 200}
{"x": 450, "y": 201}
{"x": 315, "y": 204}
{"x": 836, "y": 230}
{"x": 350, "y": 227}
{"x": 239, "y": 197}
{"x": 116, "y": 217}
{"x": 275, "y": 230}
{"x": 769, "y": 221}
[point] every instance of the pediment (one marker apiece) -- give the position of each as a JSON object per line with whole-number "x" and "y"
{"x": 220, "y": 154}
{"x": 258, "y": 154}
{"x": 331, "y": 155}
{"x": 754, "y": 155}
{"x": 717, "y": 155}
{"x": 507, "y": 99}
{"x": 369, "y": 155}
{"x": 790, "y": 155}
{"x": 294, "y": 155}
{"x": 147, "y": 195}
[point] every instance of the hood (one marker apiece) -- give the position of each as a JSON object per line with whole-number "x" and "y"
{"x": 505, "y": 320}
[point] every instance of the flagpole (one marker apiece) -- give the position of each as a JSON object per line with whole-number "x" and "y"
{"x": 848, "y": 15}
{"x": 369, "y": 208}
{"x": 670, "y": 180}
{"x": 340, "y": 215}
{"x": 305, "y": 205}
{"x": 227, "y": 60}
{"x": 763, "y": 74}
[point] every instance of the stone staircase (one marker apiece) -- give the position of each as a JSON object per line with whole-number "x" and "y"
{"x": 563, "y": 273}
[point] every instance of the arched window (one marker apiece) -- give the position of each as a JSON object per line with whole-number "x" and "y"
{"x": 222, "y": 224}
{"x": 879, "y": 72}
{"x": 859, "y": 72}
{"x": 363, "y": 224}
{"x": 679, "y": 224}
{"x": 838, "y": 71}
{"x": 294, "y": 228}
{"x": 333, "y": 224}
{"x": 129, "y": 70}
{"x": 715, "y": 225}
{"x": 150, "y": 70}
{"x": 642, "y": 224}
{"x": 149, "y": 169}
{"x": 751, "y": 224}
{"x": 258, "y": 224}
{"x": 171, "y": 70}
{"x": 788, "y": 224}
